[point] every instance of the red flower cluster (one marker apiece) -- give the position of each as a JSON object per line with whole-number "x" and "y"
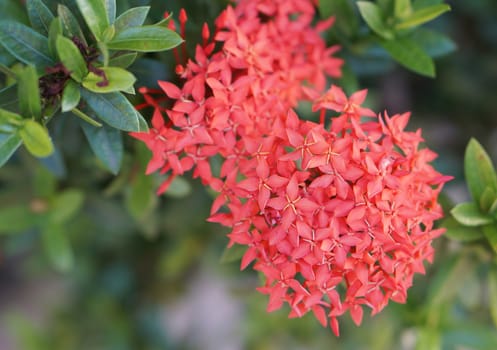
{"x": 334, "y": 217}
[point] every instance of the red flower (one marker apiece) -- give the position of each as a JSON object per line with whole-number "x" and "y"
{"x": 352, "y": 206}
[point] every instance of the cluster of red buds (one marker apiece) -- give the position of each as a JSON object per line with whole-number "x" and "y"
{"x": 337, "y": 214}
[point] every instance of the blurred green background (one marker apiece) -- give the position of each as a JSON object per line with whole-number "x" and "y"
{"x": 134, "y": 271}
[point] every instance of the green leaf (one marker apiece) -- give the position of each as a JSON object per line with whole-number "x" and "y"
{"x": 40, "y": 16}
{"x": 488, "y": 199}
{"x": 70, "y": 96}
{"x": 235, "y": 253}
{"x": 141, "y": 198}
{"x": 469, "y": 214}
{"x": 27, "y": 45}
{"x": 145, "y": 39}
{"x": 14, "y": 9}
{"x": 36, "y": 138}
{"x": 133, "y": 17}
{"x": 114, "y": 109}
{"x": 143, "y": 126}
{"x": 457, "y": 232}
{"x": 70, "y": 23}
{"x": 423, "y": 15}
{"x": 119, "y": 79}
{"x": 110, "y": 7}
{"x": 9, "y": 118}
{"x": 53, "y": 33}
{"x": 8, "y": 98}
{"x": 428, "y": 339}
{"x": 178, "y": 188}
{"x": 29, "y": 93}
{"x": 410, "y": 55}
{"x": 44, "y": 183}
{"x": 490, "y": 232}
{"x": 492, "y": 292}
{"x": 108, "y": 34}
{"x": 478, "y": 170}
{"x": 371, "y": 13}
{"x": 57, "y": 247}
{"x": 15, "y": 219}
{"x": 72, "y": 58}
{"x": 107, "y": 144}
{"x": 402, "y": 8}
{"x": 419, "y": 4}
{"x": 345, "y": 19}
{"x": 95, "y": 15}
{"x": 451, "y": 273}
{"x": 434, "y": 43}
{"x": 124, "y": 60}
{"x": 9, "y": 143}
{"x": 66, "y": 205}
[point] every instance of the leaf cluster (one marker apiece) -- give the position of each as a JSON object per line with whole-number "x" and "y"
{"x": 73, "y": 60}
{"x": 393, "y": 27}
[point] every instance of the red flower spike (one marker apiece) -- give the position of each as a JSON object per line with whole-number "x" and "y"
{"x": 352, "y": 206}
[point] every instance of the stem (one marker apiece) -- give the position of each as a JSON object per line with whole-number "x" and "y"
{"x": 86, "y": 118}
{"x": 8, "y": 72}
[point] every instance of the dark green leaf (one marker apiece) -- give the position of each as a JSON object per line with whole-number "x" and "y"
{"x": 410, "y": 55}
{"x": 70, "y": 23}
{"x": 95, "y": 15}
{"x": 114, "y": 109}
{"x": 40, "y": 16}
{"x": 143, "y": 126}
{"x": 478, "y": 170}
{"x": 492, "y": 292}
{"x": 133, "y": 17}
{"x": 29, "y": 93}
{"x": 490, "y": 232}
{"x": 457, "y": 232}
{"x": 371, "y": 13}
{"x": 25, "y": 44}
{"x": 57, "y": 247}
{"x": 70, "y": 96}
{"x": 72, "y": 58}
{"x": 53, "y": 33}
{"x": 9, "y": 143}
{"x": 435, "y": 44}
{"x": 119, "y": 79}
{"x": 106, "y": 142}
{"x": 15, "y": 219}
{"x": 345, "y": 18}
{"x": 36, "y": 138}
{"x": 110, "y": 7}
{"x": 8, "y": 98}
{"x": 14, "y": 10}
{"x": 66, "y": 205}
{"x": 123, "y": 61}
{"x": 145, "y": 39}
{"x": 402, "y": 8}
{"x": 423, "y": 15}
{"x": 469, "y": 214}
{"x": 55, "y": 163}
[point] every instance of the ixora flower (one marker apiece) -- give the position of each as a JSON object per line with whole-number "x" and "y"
{"x": 336, "y": 217}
